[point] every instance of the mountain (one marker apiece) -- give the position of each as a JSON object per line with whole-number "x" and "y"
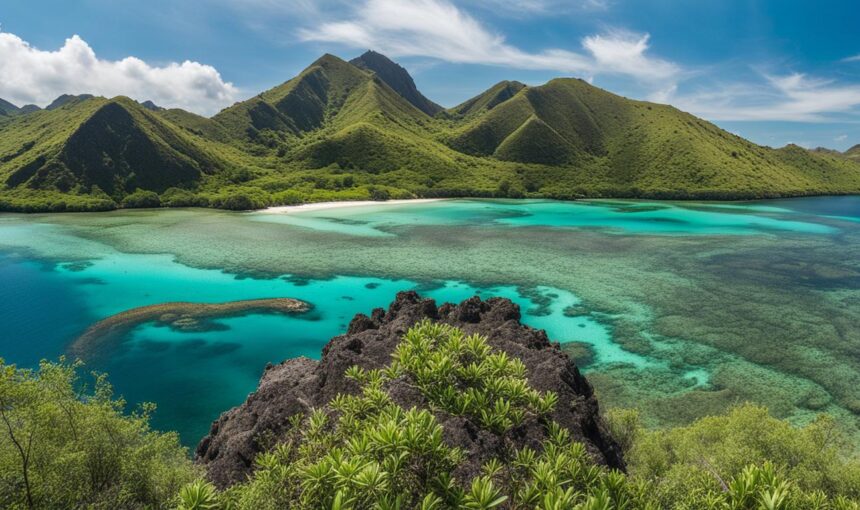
{"x": 66, "y": 99}
{"x": 149, "y": 105}
{"x": 100, "y": 147}
{"x": 853, "y": 153}
{"x": 358, "y": 130}
{"x": 495, "y": 95}
{"x": 397, "y": 78}
{"x": 8, "y": 109}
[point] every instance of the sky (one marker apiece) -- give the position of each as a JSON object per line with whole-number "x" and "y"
{"x": 773, "y": 71}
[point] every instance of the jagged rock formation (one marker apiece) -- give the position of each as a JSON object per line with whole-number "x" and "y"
{"x": 300, "y": 384}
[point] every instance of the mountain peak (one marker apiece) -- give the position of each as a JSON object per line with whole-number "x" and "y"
{"x": 396, "y": 77}
{"x": 327, "y": 60}
{"x": 7, "y": 108}
{"x": 149, "y": 105}
{"x": 66, "y": 99}
{"x": 490, "y": 98}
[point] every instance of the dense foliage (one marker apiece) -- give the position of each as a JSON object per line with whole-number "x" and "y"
{"x": 339, "y": 131}
{"x": 64, "y": 444}
{"x": 363, "y": 451}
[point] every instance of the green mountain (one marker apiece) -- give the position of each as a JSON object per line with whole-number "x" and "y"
{"x": 7, "y": 108}
{"x": 66, "y": 99}
{"x": 355, "y": 130}
{"x": 854, "y": 153}
{"x": 495, "y": 95}
{"x": 397, "y": 78}
{"x": 99, "y": 148}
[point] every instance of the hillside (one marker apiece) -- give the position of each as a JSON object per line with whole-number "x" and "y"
{"x": 94, "y": 151}
{"x": 854, "y": 153}
{"x": 486, "y": 101}
{"x": 356, "y": 130}
{"x": 8, "y": 109}
{"x": 397, "y": 78}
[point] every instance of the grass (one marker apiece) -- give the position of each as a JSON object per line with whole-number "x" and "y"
{"x": 565, "y": 139}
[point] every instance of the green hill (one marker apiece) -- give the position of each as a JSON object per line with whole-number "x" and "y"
{"x": 7, "y": 108}
{"x": 495, "y": 95}
{"x": 854, "y": 153}
{"x": 397, "y": 78}
{"x": 66, "y": 99}
{"x": 99, "y": 150}
{"x": 342, "y": 130}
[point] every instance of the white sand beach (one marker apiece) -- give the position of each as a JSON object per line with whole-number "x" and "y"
{"x": 319, "y": 206}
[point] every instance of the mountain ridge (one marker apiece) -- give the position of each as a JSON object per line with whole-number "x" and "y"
{"x": 356, "y": 130}
{"x": 397, "y": 78}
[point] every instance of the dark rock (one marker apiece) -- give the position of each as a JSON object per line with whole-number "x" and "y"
{"x": 298, "y": 385}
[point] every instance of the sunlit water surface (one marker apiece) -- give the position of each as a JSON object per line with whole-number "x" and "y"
{"x": 682, "y": 309}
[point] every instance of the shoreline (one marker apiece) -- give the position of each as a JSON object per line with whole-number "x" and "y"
{"x": 320, "y": 206}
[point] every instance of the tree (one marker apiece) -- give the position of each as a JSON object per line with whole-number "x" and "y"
{"x": 64, "y": 444}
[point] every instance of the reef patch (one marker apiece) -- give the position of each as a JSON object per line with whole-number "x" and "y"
{"x": 102, "y": 336}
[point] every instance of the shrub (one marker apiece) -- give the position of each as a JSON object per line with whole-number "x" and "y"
{"x": 62, "y": 446}
{"x": 176, "y": 197}
{"x": 141, "y": 199}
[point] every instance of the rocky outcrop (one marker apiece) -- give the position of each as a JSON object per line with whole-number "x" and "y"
{"x": 297, "y": 385}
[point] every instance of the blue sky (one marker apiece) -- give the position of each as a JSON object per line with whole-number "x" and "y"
{"x": 776, "y": 72}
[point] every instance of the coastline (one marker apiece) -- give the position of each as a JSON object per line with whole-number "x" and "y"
{"x": 320, "y": 206}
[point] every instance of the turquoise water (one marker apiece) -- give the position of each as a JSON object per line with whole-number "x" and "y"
{"x": 619, "y": 216}
{"x": 638, "y": 284}
{"x": 177, "y": 369}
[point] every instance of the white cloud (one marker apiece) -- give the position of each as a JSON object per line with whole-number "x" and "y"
{"x": 623, "y": 52}
{"x": 794, "y": 97}
{"x": 439, "y": 29}
{"x": 543, "y": 7}
{"x": 31, "y": 75}
{"x": 840, "y": 138}
{"x": 855, "y": 58}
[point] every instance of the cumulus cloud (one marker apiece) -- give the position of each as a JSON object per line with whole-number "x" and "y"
{"x": 793, "y": 97}
{"x": 439, "y": 29}
{"x": 31, "y": 75}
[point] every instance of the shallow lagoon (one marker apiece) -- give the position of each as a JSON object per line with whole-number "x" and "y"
{"x": 681, "y": 309}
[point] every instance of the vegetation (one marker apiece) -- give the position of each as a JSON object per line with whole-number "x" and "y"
{"x": 365, "y": 451}
{"x": 340, "y": 130}
{"x": 65, "y": 444}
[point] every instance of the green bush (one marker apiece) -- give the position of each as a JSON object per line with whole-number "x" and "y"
{"x": 64, "y": 444}
{"x": 141, "y": 199}
{"x": 714, "y": 450}
{"x": 176, "y": 197}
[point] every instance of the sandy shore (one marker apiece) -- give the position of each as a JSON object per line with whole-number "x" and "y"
{"x": 319, "y": 206}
